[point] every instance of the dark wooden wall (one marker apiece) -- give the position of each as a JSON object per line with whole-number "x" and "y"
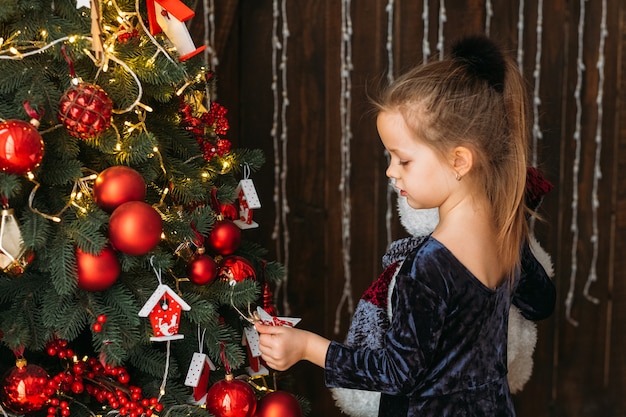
{"x": 579, "y": 370}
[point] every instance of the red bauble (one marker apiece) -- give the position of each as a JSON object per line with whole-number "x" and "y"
{"x": 236, "y": 268}
{"x": 135, "y": 228}
{"x": 97, "y": 272}
{"x": 201, "y": 269}
{"x": 225, "y": 237}
{"x": 85, "y": 110}
{"x": 279, "y": 404}
{"x": 231, "y": 398}
{"x": 23, "y": 388}
{"x": 117, "y": 185}
{"x": 21, "y": 147}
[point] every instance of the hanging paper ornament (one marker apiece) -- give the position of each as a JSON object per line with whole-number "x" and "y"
{"x": 168, "y": 16}
{"x": 198, "y": 376}
{"x": 279, "y": 404}
{"x": 164, "y": 308}
{"x": 231, "y": 397}
{"x": 23, "y": 387}
{"x": 117, "y": 185}
{"x": 225, "y": 237}
{"x": 236, "y": 268}
{"x": 85, "y": 110}
{"x": 14, "y": 257}
{"x": 97, "y": 272}
{"x": 21, "y": 146}
{"x": 135, "y": 228}
{"x": 201, "y": 269}
{"x": 248, "y": 201}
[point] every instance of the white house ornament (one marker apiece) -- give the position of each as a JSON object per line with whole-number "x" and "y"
{"x": 198, "y": 376}
{"x": 164, "y": 309}
{"x": 248, "y": 200}
{"x": 14, "y": 257}
{"x": 168, "y": 16}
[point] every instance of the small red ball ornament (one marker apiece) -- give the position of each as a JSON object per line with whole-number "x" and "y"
{"x": 97, "y": 272}
{"x": 21, "y": 147}
{"x": 135, "y": 228}
{"x": 23, "y": 388}
{"x": 279, "y": 404}
{"x": 231, "y": 397}
{"x": 225, "y": 237}
{"x": 236, "y": 268}
{"x": 117, "y": 185}
{"x": 85, "y": 110}
{"x": 202, "y": 269}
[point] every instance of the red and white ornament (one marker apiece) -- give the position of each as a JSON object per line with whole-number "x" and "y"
{"x": 225, "y": 237}
{"x": 164, "y": 308}
{"x": 135, "y": 228}
{"x": 85, "y": 110}
{"x": 23, "y": 387}
{"x": 279, "y": 404}
{"x": 97, "y": 272}
{"x": 21, "y": 146}
{"x": 231, "y": 397}
{"x": 117, "y": 185}
{"x": 198, "y": 376}
{"x": 236, "y": 269}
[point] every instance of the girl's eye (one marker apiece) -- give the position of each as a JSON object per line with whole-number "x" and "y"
{"x": 403, "y": 163}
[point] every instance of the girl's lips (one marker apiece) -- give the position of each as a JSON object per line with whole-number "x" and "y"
{"x": 403, "y": 193}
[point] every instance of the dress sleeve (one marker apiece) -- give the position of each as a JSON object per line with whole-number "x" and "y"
{"x": 398, "y": 367}
{"x": 535, "y": 294}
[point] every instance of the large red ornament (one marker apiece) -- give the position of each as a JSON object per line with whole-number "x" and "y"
{"x": 231, "y": 397}
{"x": 85, "y": 110}
{"x": 117, "y": 185}
{"x": 225, "y": 237}
{"x": 279, "y": 404}
{"x": 21, "y": 147}
{"x": 23, "y": 387}
{"x": 236, "y": 268}
{"x": 135, "y": 228}
{"x": 202, "y": 269}
{"x": 97, "y": 272}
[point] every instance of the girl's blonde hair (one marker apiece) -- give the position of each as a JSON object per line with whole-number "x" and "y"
{"x": 476, "y": 98}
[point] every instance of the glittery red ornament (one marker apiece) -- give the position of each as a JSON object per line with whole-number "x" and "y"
{"x": 236, "y": 268}
{"x": 117, "y": 185}
{"x": 85, "y": 110}
{"x": 97, "y": 272}
{"x": 201, "y": 269}
{"x": 279, "y": 404}
{"x": 225, "y": 237}
{"x": 23, "y": 387}
{"x": 231, "y": 398}
{"x": 21, "y": 147}
{"x": 135, "y": 228}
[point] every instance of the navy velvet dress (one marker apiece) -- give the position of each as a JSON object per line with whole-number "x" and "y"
{"x": 445, "y": 351}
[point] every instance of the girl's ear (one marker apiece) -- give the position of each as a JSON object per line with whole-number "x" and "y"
{"x": 462, "y": 160}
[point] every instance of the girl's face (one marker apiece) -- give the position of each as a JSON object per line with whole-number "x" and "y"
{"x": 419, "y": 172}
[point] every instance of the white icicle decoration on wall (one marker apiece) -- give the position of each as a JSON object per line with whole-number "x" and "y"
{"x": 346, "y": 137}
{"x": 280, "y": 141}
{"x": 597, "y": 172}
{"x": 425, "y": 42}
{"x": 390, "y": 77}
{"x": 488, "y": 16}
{"x": 443, "y": 18}
{"x": 580, "y": 68}
{"x": 520, "y": 36}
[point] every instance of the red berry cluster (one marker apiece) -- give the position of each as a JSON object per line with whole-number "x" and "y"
{"x": 107, "y": 384}
{"x": 207, "y": 129}
{"x": 100, "y": 320}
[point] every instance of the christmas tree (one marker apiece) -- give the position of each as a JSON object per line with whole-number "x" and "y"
{"x": 126, "y": 285}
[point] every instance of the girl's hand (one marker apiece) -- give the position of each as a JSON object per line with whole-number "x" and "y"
{"x": 281, "y": 347}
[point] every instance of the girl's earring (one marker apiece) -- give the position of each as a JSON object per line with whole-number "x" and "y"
{"x": 457, "y": 176}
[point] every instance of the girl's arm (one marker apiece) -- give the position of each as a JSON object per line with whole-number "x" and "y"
{"x": 282, "y": 347}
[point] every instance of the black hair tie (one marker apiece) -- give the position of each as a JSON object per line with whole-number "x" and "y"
{"x": 482, "y": 58}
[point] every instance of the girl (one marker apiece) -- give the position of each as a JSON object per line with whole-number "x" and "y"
{"x": 457, "y": 133}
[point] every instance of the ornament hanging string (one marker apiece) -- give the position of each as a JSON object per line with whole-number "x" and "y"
{"x": 223, "y": 357}
{"x": 250, "y": 317}
{"x": 167, "y": 344}
{"x": 201, "y": 339}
